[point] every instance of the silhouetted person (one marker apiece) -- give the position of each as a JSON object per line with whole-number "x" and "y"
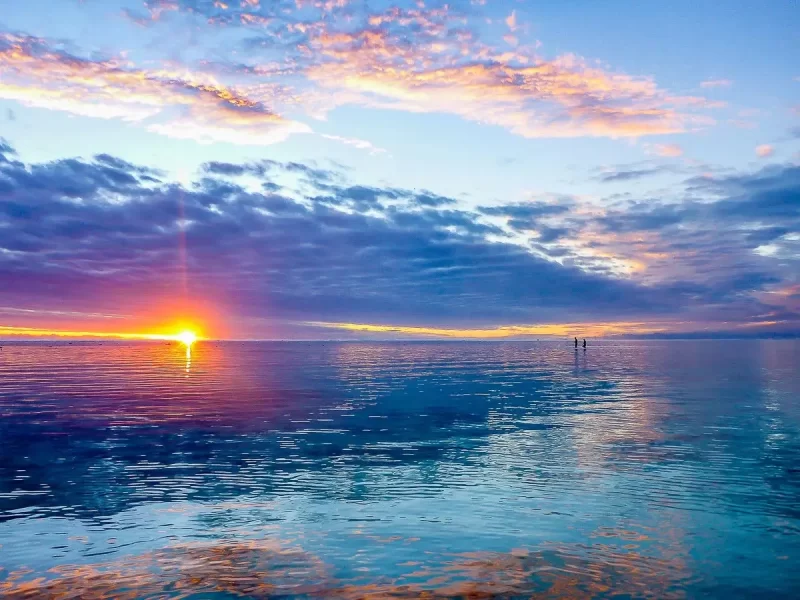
{"x": 576, "y": 343}
{"x": 584, "y": 343}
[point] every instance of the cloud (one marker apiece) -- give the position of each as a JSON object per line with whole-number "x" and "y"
{"x": 714, "y": 83}
{"x": 629, "y": 175}
{"x": 355, "y": 143}
{"x": 175, "y": 104}
{"x": 528, "y": 95}
{"x": 106, "y": 234}
{"x": 716, "y": 245}
{"x": 765, "y": 151}
{"x": 635, "y": 171}
{"x": 668, "y": 150}
{"x": 6, "y": 150}
{"x": 529, "y": 216}
{"x": 743, "y": 124}
{"x": 511, "y": 20}
{"x": 356, "y": 253}
{"x": 432, "y": 60}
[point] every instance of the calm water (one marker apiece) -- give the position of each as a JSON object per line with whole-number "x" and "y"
{"x": 359, "y": 470}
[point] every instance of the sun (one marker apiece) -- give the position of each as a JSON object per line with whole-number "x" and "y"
{"x": 187, "y": 337}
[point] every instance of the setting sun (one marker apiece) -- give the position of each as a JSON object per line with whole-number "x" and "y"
{"x": 187, "y": 337}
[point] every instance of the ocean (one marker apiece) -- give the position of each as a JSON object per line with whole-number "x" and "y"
{"x": 664, "y": 469}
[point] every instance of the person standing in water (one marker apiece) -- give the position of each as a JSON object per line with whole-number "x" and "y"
{"x": 584, "y": 343}
{"x": 576, "y": 343}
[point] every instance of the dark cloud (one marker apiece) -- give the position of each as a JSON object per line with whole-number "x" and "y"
{"x": 767, "y": 234}
{"x": 223, "y": 168}
{"x": 359, "y": 197}
{"x": 5, "y": 149}
{"x": 631, "y": 173}
{"x": 628, "y": 175}
{"x": 426, "y": 198}
{"x": 722, "y": 250}
{"x": 313, "y": 174}
{"x": 551, "y": 234}
{"x": 100, "y": 233}
{"x": 646, "y": 217}
{"x": 528, "y": 210}
{"x": 529, "y": 216}
{"x": 364, "y": 198}
{"x": 104, "y": 233}
{"x": 767, "y": 200}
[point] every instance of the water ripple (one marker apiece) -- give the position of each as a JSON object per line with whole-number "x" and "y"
{"x": 501, "y": 469}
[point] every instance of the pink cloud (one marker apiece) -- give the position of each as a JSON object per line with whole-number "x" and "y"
{"x": 670, "y": 150}
{"x": 447, "y": 70}
{"x": 415, "y": 60}
{"x": 177, "y": 104}
{"x": 156, "y": 9}
{"x": 429, "y": 60}
{"x": 743, "y": 124}
{"x": 511, "y": 20}
{"x": 765, "y": 151}
{"x": 712, "y": 83}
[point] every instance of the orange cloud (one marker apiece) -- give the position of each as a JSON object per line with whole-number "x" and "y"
{"x": 765, "y": 151}
{"x": 417, "y": 60}
{"x": 447, "y": 71}
{"x": 670, "y": 150}
{"x": 561, "y": 98}
{"x": 175, "y": 104}
{"x": 159, "y": 7}
{"x": 511, "y": 20}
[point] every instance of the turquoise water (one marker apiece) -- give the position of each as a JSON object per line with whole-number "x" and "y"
{"x": 400, "y": 470}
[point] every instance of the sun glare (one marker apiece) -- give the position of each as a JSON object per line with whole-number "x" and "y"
{"x": 187, "y": 337}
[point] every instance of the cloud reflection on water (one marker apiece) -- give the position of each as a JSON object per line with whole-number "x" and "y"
{"x": 268, "y": 570}
{"x": 657, "y": 451}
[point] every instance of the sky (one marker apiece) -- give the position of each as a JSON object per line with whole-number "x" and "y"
{"x": 337, "y": 169}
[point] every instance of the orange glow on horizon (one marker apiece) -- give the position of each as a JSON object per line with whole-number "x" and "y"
{"x": 185, "y": 336}
{"x": 171, "y": 319}
{"x": 546, "y": 329}
{"x": 187, "y": 333}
